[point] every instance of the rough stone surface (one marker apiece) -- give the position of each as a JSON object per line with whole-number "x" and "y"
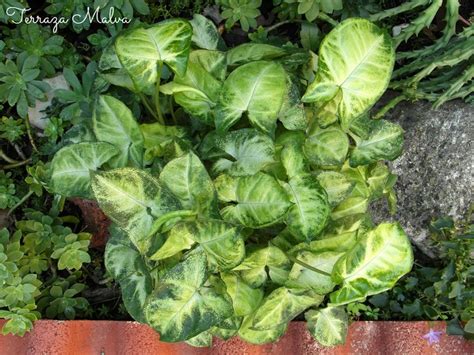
{"x": 436, "y": 168}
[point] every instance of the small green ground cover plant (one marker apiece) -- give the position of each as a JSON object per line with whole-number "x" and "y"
{"x": 254, "y": 209}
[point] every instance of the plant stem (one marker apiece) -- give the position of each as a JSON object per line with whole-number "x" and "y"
{"x": 145, "y": 103}
{"x": 26, "y": 197}
{"x": 326, "y": 18}
{"x": 7, "y": 158}
{"x": 279, "y": 24}
{"x": 17, "y": 164}
{"x": 30, "y": 135}
{"x": 19, "y": 151}
{"x": 391, "y": 104}
{"x": 175, "y": 121}
{"x": 307, "y": 266}
{"x": 157, "y": 95}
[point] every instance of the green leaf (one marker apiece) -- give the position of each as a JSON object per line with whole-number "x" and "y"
{"x": 310, "y": 211}
{"x": 141, "y": 51}
{"x": 385, "y": 141}
{"x": 222, "y": 242}
{"x": 329, "y": 243}
{"x": 246, "y": 152}
{"x": 310, "y": 36}
{"x": 256, "y": 88}
{"x": 72, "y": 165}
{"x": 355, "y": 64}
{"x": 205, "y": 34}
{"x": 114, "y": 123}
{"x": 349, "y": 207}
{"x": 328, "y": 325}
{"x": 182, "y": 306}
{"x": 252, "y": 336}
{"x": 336, "y": 185}
{"x": 128, "y": 267}
{"x": 262, "y": 263}
{"x": 259, "y": 201}
{"x": 177, "y": 240}
{"x": 374, "y": 265}
{"x": 326, "y": 147}
{"x": 251, "y": 52}
{"x": 304, "y": 278}
{"x": 293, "y": 159}
{"x": 197, "y": 91}
{"x": 187, "y": 178}
{"x": 203, "y": 340}
{"x": 133, "y": 199}
{"x": 282, "y": 305}
{"x": 228, "y": 328}
{"x": 245, "y": 298}
{"x": 163, "y": 141}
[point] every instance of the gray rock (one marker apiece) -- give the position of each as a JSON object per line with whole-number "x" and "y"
{"x": 37, "y": 117}
{"x": 436, "y": 168}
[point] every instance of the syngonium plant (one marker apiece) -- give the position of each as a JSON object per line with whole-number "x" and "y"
{"x": 259, "y": 212}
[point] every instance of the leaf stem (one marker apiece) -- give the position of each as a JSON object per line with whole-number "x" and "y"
{"x": 391, "y": 104}
{"x": 157, "y": 95}
{"x": 326, "y": 18}
{"x": 30, "y": 135}
{"x": 26, "y": 197}
{"x": 17, "y": 164}
{"x": 173, "y": 115}
{"x": 145, "y": 103}
{"x": 7, "y": 158}
{"x": 307, "y": 266}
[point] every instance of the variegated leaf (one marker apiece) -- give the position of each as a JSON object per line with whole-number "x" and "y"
{"x": 354, "y": 67}
{"x": 228, "y": 328}
{"x": 142, "y": 50}
{"x": 245, "y": 298}
{"x": 328, "y": 325}
{"x": 176, "y": 241}
{"x": 187, "y": 178}
{"x": 336, "y": 185}
{"x": 282, "y": 305}
{"x": 259, "y": 201}
{"x": 374, "y": 265}
{"x": 349, "y": 207}
{"x": 385, "y": 142}
{"x": 205, "y": 34}
{"x": 133, "y": 199}
{"x": 310, "y": 210}
{"x": 128, "y": 267}
{"x": 114, "y": 123}
{"x": 182, "y": 307}
{"x": 197, "y": 91}
{"x": 250, "y": 52}
{"x": 263, "y": 263}
{"x": 257, "y": 89}
{"x": 326, "y": 146}
{"x": 246, "y": 151}
{"x": 72, "y": 165}
{"x": 222, "y": 242}
{"x": 304, "y": 278}
{"x": 252, "y": 336}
